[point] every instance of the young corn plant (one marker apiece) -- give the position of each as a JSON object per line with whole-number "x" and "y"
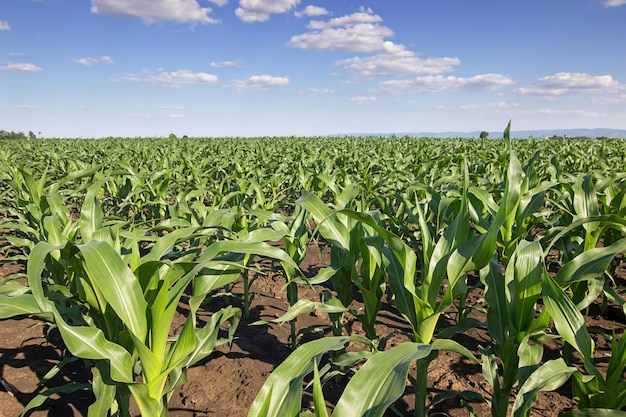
{"x": 517, "y": 330}
{"x": 596, "y": 392}
{"x": 116, "y": 310}
{"x": 281, "y": 395}
{"x": 356, "y": 257}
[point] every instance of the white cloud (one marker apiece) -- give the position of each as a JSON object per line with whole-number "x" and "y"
{"x": 363, "y": 100}
{"x": 317, "y": 92}
{"x": 89, "y": 61}
{"x": 311, "y": 11}
{"x": 571, "y": 83}
{"x": 357, "y": 32}
{"x": 173, "y": 79}
{"x": 222, "y": 64}
{"x": 172, "y": 107}
{"x": 219, "y": 2}
{"x": 259, "y": 10}
{"x": 362, "y": 37}
{"x": 614, "y": 3}
{"x": 438, "y": 83}
{"x": 4, "y": 25}
{"x": 21, "y": 67}
{"x": 362, "y": 16}
{"x": 86, "y": 61}
{"x": 396, "y": 59}
{"x": 152, "y": 11}
{"x": 363, "y": 32}
{"x": 261, "y": 82}
{"x": 176, "y": 116}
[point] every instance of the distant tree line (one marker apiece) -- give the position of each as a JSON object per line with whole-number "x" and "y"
{"x": 4, "y": 134}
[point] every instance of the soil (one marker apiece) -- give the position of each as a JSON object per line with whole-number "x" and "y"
{"x": 226, "y": 383}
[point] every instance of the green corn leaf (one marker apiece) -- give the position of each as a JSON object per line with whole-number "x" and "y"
{"x": 326, "y": 221}
{"x": 103, "y": 389}
{"x": 594, "y": 412}
{"x": 362, "y": 398}
{"x": 283, "y": 388}
{"x": 91, "y": 214}
{"x": 589, "y": 264}
{"x": 318, "y": 394}
{"x": 39, "y": 399}
{"x": 18, "y": 305}
{"x": 585, "y": 200}
{"x": 117, "y": 284}
{"x": 523, "y": 278}
{"x": 166, "y": 243}
{"x": 548, "y": 377}
{"x": 306, "y": 306}
{"x": 253, "y": 248}
{"x": 567, "y": 319}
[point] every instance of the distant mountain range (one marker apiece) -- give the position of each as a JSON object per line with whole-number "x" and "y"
{"x": 517, "y": 134}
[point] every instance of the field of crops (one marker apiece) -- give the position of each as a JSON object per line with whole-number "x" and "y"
{"x": 325, "y": 276}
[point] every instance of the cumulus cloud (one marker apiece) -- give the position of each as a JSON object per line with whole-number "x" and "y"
{"x": 261, "y": 82}
{"x": 312, "y": 11}
{"x": 219, "y": 3}
{"x": 363, "y": 100}
{"x": 152, "y": 11}
{"x": 88, "y": 61}
{"x": 222, "y": 64}
{"x": 439, "y": 83}
{"x": 4, "y": 25}
{"x": 571, "y": 83}
{"x": 396, "y": 59}
{"x": 614, "y": 3}
{"x": 260, "y": 10}
{"x": 173, "y": 79}
{"x": 357, "y": 32}
{"x": 21, "y": 67}
{"x": 363, "y": 32}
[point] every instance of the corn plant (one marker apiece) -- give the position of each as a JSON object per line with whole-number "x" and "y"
{"x": 356, "y": 256}
{"x": 116, "y": 310}
{"x": 281, "y": 395}
{"x": 517, "y": 330}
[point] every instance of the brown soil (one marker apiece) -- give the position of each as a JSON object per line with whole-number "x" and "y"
{"x": 226, "y": 383}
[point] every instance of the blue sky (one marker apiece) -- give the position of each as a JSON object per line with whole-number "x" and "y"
{"x": 79, "y": 68}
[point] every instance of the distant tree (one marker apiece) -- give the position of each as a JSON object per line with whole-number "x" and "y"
{"x": 483, "y": 136}
{"x": 4, "y": 134}
{"x": 173, "y": 136}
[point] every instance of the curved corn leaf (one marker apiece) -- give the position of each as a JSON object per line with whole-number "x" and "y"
{"x": 364, "y": 398}
{"x": 117, "y": 284}
{"x": 567, "y": 319}
{"x": 548, "y": 377}
{"x": 281, "y": 394}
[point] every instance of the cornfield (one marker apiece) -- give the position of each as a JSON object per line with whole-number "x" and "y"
{"x": 522, "y": 240}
